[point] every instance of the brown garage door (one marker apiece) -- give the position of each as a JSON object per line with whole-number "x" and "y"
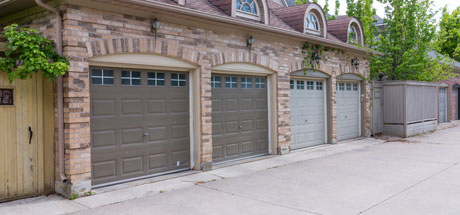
{"x": 239, "y": 116}
{"x": 139, "y": 123}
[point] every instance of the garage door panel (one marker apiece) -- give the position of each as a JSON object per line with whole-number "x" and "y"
{"x": 231, "y": 105}
{"x": 240, "y": 118}
{"x": 132, "y": 165}
{"x": 103, "y": 138}
{"x": 156, "y": 106}
{"x": 103, "y": 108}
{"x": 232, "y": 127}
{"x": 157, "y": 133}
{"x": 105, "y": 169}
{"x": 156, "y": 161}
{"x": 144, "y": 128}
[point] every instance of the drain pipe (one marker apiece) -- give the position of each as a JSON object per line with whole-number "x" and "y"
{"x": 60, "y": 98}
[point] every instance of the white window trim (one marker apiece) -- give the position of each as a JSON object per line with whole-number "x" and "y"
{"x": 131, "y": 78}
{"x": 156, "y": 79}
{"x": 179, "y": 80}
{"x": 309, "y": 30}
{"x": 244, "y": 14}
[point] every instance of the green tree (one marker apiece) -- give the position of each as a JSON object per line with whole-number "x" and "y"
{"x": 406, "y": 42}
{"x": 448, "y": 40}
{"x": 326, "y": 8}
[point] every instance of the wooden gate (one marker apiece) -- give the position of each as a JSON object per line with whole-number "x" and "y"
{"x": 26, "y": 137}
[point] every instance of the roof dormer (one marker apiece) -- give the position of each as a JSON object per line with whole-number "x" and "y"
{"x": 305, "y": 18}
{"x": 347, "y": 29}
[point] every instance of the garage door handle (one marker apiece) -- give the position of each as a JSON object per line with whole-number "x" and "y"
{"x": 30, "y": 135}
{"x": 241, "y": 126}
{"x": 146, "y": 134}
{"x": 346, "y": 117}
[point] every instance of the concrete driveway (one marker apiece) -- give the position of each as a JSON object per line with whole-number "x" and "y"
{"x": 417, "y": 176}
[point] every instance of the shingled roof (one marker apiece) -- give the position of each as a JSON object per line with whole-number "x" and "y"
{"x": 290, "y": 18}
{"x": 293, "y": 16}
{"x": 339, "y": 28}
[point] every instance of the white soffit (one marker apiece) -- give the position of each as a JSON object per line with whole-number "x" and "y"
{"x": 141, "y": 61}
{"x": 242, "y": 68}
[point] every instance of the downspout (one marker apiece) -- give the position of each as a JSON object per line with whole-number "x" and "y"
{"x": 60, "y": 99}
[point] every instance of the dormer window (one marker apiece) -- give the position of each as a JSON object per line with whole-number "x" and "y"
{"x": 352, "y": 34}
{"x": 247, "y": 9}
{"x": 312, "y": 22}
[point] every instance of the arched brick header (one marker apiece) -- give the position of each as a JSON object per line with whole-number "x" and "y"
{"x": 143, "y": 45}
{"x": 175, "y": 50}
{"x": 243, "y": 57}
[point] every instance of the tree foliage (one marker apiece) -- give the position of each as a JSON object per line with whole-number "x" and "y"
{"x": 448, "y": 40}
{"x": 28, "y": 52}
{"x": 406, "y": 42}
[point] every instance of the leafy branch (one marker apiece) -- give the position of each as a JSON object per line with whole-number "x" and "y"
{"x": 28, "y": 52}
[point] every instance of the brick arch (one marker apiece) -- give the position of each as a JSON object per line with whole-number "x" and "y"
{"x": 243, "y": 57}
{"x": 299, "y": 65}
{"x": 144, "y": 45}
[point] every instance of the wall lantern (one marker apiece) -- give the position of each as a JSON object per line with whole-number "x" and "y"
{"x": 316, "y": 57}
{"x": 355, "y": 63}
{"x": 155, "y": 26}
{"x": 250, "y": 42}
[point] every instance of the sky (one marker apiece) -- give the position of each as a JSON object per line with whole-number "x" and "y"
{"x": 451, "y": 5}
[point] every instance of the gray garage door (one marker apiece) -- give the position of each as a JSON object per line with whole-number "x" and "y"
{"x": 139, "y": 123}
{"x": 239, "y": 116}
{"x": 348, "y": 110}
{"x": 443, "y": 104}
{"x": 308, "y": 109}
{"x": 455, "y": 99}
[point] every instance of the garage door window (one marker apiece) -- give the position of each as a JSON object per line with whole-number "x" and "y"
{"x": 246, "y": 82}
{"x": 291, "y": 84}
{"x": 310, "y": 85}
{"x": 355, "y": 87}
{"x": 319, "y": 85}
{"x": 341, "y": 86}
{"x": 102, "y": 77}
{"x": 130, "y": 78}
{"x": 156, "y": 79}
{"x": 300, "y": 85}
{"x": 260, "y": 82}
{"x": 348, "y": 87}
{"x": 178, "y": 80}
{"x": 231, "y": 82}
{"x": 215, "y": 82}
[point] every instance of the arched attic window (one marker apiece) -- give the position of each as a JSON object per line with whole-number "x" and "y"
{"x": 355, "y": 33}
{"x": 311, "y": 23}
{"x": 352, "y": 34}
{"x": 248, "y": 9}
{"x": 315, "y": 20}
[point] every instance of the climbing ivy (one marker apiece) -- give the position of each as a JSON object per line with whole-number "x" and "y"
{"x": 28, "y": 52}
{"x": 313, "y": 53}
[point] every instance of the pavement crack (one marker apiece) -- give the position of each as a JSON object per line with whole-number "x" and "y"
{"x": 262, "y": 201}
{"x": 408, "y": 188}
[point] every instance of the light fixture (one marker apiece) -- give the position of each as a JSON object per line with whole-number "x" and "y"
{"x": 355, "y": 63}
{"x": 155, "y": 26}
{"x": 250, "y": 42}
{"x": 316, "y": 57}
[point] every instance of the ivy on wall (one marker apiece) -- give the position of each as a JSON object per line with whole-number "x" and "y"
{"x": 313, "y": 53}
{"x": 28, "y": 52}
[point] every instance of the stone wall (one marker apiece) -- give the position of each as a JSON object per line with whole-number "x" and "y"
{"x": 91, "y": 32}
